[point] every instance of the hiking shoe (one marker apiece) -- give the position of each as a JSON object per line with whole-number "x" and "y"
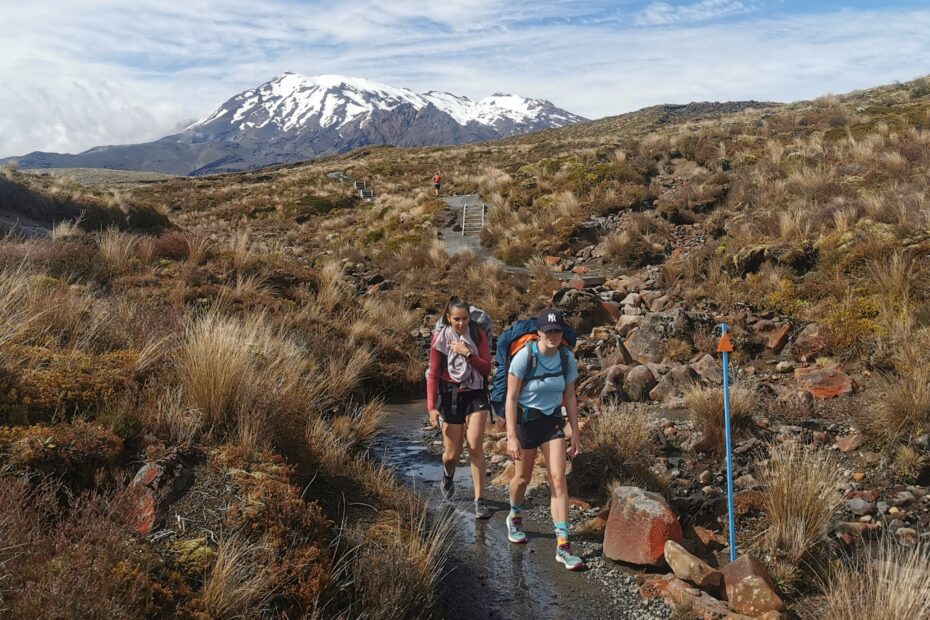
{"x": 447, "y": 487}
{"x": 515, "y": 532}
{"x": 481, "y": 509}
{"x": 564, "y": 555}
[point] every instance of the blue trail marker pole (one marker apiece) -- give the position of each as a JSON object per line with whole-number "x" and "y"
{"x": 726, "y": 348}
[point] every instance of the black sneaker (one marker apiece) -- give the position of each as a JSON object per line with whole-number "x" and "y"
{"x": 447, "y": 487}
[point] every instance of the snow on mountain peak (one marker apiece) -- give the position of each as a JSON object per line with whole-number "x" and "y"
{"x": 291, "y": 102}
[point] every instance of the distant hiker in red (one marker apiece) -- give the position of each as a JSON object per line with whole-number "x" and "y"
{"x": 437, "y": 181}
{"x": 457, "y": 395}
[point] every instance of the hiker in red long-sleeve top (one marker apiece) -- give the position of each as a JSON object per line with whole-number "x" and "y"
{"x": 457, "y": 392}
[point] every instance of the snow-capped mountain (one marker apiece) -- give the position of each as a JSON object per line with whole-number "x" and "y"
{"x": 295, "y": 103}
{"x": 295, "y": 117}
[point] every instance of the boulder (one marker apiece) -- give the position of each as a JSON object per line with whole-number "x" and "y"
{"x": 690, "y": 568}
{"x": 638, "y": 526}
{"x": 584, "y": 306}
{"x": 749, "y": 587}
{"x": 709, "y": 370}
{"x": 638, "y": 382}
{"x": 809, "y": 344}
{"x": 627, "y": 323}
{"x": 153, "y": 488}
{"x": 827, "y": 382}
{"x": 674, "y": 384}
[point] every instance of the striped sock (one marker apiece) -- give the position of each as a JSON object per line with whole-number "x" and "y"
{"x": 516, "y": 511}
{"x": 561, "y": 533}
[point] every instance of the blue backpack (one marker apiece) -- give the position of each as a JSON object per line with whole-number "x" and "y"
{"x": 509, "y": 343}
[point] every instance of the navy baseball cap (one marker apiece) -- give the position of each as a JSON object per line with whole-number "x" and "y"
{"x": 549, "y": 320}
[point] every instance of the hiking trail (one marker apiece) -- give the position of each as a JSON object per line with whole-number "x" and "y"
{"x": 488, "y": 577}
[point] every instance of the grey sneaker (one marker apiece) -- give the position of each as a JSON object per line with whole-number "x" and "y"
{"x": 564, "y": 555}
{"x": 515, "y": 532}
{"x": 447, "y": 487}
{"x": 481, "y": 509}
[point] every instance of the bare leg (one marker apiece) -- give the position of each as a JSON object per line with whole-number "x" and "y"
{"x": 474, "y": 435}
{"x": 452, "y": 446}
{"x": 554, "y": 455}
{"x": 521, "y": 477}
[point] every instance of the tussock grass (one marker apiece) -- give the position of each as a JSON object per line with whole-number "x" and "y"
{"x": 890, "y": 582}
{"x": 198, "y": 248}
{"x": 396, "y": 575}
{"x": 706, "y": 406}
{"x": 801, "y": 498}
{"x": 118, "y": 249}
{"x": 174, "y": 420}
{"x": 240, "y": 248}
{"x": 618, "y": 444}
{"x": 905, "y": 408}
{"x": 15, "y": 312}
{"x": 240, "y": 374}
{"x": 240, "y": 583}
{"x": 66, "y": 229}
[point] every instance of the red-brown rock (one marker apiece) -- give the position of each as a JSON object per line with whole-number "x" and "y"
{"x": 709, "y": 541}
{"x": 827, "y": 382}
{"x": 749, "y": 587}
{"x": 773, "y": 335}
{"x": 639, "y": 524}
{"x": 153, "y": 488}
{"x": 612, "y": 309}
{"x": 809, "y": 344}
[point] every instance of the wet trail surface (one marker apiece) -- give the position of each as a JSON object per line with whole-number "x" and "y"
{"x": 489, "y": 577}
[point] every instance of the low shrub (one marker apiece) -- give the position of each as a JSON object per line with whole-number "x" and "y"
{"x": 72, "y": 453}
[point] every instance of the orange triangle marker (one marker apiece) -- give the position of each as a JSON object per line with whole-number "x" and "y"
{"x": 725, "y": 346}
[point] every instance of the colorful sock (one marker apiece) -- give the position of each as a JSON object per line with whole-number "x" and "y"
{"x": 561, "y": 533}
{"x": 516, "y": 511}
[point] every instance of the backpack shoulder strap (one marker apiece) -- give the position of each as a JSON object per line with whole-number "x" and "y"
{"x": 530, "y": 362}
{"x": 563, "y": 358}
{"x": 473, "y": 332}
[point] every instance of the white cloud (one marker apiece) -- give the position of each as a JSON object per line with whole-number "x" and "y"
{"x": 80, "y": 73}
{"x": 664, "y": 13}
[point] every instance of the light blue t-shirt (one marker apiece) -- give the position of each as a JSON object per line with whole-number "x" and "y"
{"x": 543, "y": 394}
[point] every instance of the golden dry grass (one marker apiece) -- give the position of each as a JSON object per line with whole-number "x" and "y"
{"x": 890, "y": 582}
{"x": 117, "y": 248}
{"x": 706, "y": 406}
{"x": 801, "y": 499}
{"x": 66, "y": 229}
{"x": 239, "y": 584}
{"x": 397, "y": 576}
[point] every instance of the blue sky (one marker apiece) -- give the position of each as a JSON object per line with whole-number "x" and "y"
{"x": 81, "y": 73}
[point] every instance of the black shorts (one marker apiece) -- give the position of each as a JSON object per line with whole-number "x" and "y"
{"x": 465, "y": 403}
{"x": 541, "y": 430}
{"x": 435, "y": 185}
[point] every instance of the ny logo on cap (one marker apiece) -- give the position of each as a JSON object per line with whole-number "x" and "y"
{"x": 551, "y": 318}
